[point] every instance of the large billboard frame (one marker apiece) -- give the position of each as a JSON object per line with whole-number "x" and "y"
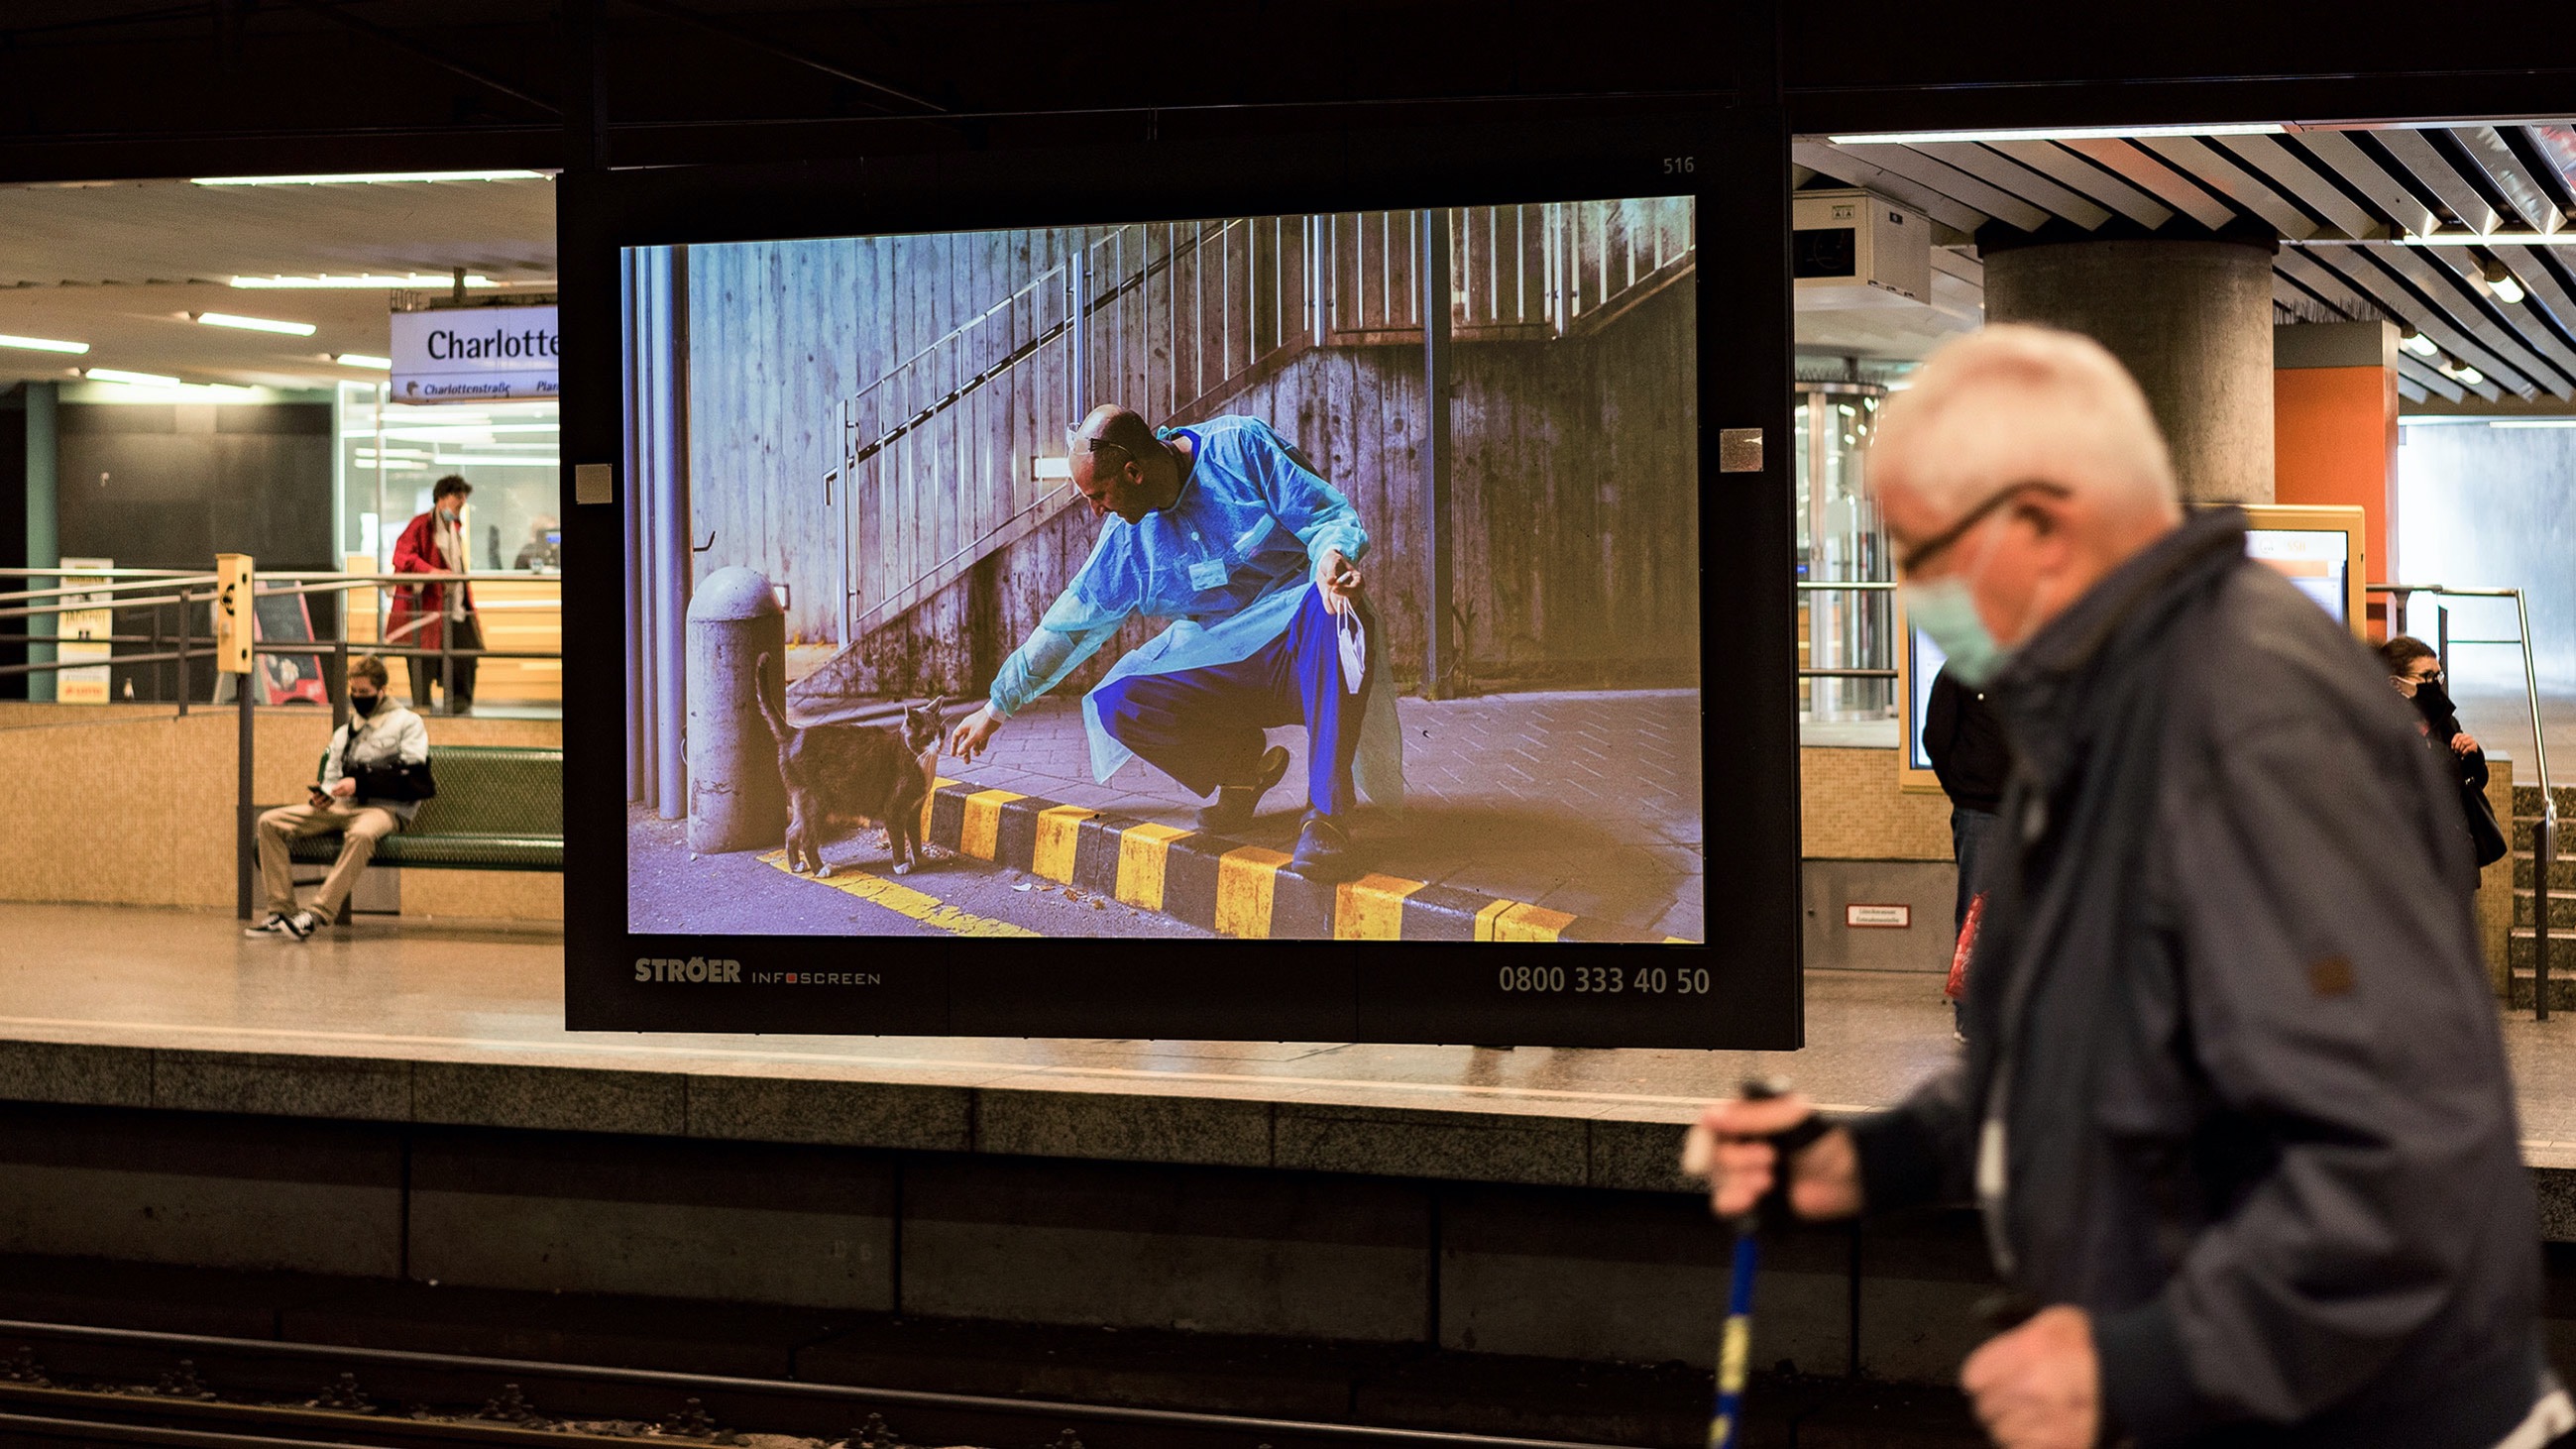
{"x": 1734, "y": 162}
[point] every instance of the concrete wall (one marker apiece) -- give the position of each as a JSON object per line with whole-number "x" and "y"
{"x": 2491, "y": 507}
{"x": 134, "y": 806}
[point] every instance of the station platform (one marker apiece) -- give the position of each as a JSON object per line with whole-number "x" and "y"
{"x": 399, "y": 1103}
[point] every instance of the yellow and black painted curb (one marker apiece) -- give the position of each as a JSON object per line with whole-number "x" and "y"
{"x": 1225, "y": 885}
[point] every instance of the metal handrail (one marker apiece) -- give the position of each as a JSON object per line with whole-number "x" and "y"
{"x": 2544, "y": 834}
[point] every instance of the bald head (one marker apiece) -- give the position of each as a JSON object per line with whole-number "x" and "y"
{"x": 2009, "y": 404}
{"x": 1119, "y": 466}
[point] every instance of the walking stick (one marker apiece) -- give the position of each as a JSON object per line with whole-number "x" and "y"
{"x": 1735, "y": 1344}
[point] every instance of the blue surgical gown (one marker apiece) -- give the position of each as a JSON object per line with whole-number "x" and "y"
{"x": 1254, "y": 510}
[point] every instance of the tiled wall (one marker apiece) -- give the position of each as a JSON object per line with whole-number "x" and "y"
{"x": 1852, "y": 810}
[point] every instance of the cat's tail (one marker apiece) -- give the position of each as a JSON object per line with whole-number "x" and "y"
{"x": 779, "y": 729}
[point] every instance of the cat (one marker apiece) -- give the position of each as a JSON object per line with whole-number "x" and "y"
{"x": 853, "y": 774}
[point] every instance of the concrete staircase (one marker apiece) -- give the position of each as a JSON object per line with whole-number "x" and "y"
{"x": 2521, "y": 950}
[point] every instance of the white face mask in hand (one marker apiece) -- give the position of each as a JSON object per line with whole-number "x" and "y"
{"x": 1353, "y": 639}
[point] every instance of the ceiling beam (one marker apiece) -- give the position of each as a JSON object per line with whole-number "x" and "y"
{"x": 2330, "y": 291}
{"x": 2417, "y": 154}
{"x": 1844, "y": 167}
{"x": 2386, "y": 192}
{"x": 2002, "y": 171}
{"x": 2200, "y": 161}
{"x": 2541, "y": 281}
{"x": 2421, "y": 373}
{"x": 2082, "y": 176}
{"x": 2489, "y": 152}
{"x": 2290, "y": 168}
{"x": 2452, "y": 292}
{"x": 2357, "y": 267}
{"x": 2156, "y": 178}
{"x": 1950, "y": 181}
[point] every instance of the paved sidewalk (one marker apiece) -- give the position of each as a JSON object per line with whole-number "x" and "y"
{"x": 1583, "y": 802}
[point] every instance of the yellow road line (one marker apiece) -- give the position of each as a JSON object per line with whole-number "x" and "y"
{"x": 1520, "y": 921}
{"x": 983, "y": 822}
{"x": 1141, "y": 852}
{"x": 1247, "y": 879}
{"x": 1059, "y": 829}
{"x": 1371, "y": 908}
{"x": 904, "y": 901}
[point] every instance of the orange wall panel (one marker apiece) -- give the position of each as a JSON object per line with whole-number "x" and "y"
{"x": 2334, "y": 440}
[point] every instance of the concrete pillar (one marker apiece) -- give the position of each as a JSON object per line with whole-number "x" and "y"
{"x": 735, "y": 799}
{"x": 2192, "y": 320}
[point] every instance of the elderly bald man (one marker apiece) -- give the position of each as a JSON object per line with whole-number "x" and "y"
{"x": 1228, "y": 531}
{"x": 2234, "y": 1102}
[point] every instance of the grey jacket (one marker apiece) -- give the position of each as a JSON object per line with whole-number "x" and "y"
{"x": 2231, "y": 1032}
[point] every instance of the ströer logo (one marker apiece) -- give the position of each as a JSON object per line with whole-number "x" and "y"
{"x": 694, "y": 968}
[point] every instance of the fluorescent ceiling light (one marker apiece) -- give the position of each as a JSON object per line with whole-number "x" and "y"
{"x": 2052, "y": 133}
{"x": 359, "y": 281}
{"x": 2468, "y": 374}
{"x": 2419, "y": 344}
{"x": 490, "y": 459}
{"x": 2533, "y": 423}
{"x": 360, "y": 359}
{"x": 254, "y": 324}
{"x": 43, "y": 344}
{"x": 2492, "y": 239}
{"x": 138, "y": 379}
{"x": 366, "y": 178}
{"x": 2500, "y": 282}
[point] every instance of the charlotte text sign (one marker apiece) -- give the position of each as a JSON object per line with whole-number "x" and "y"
{"x": 478, "y": 354}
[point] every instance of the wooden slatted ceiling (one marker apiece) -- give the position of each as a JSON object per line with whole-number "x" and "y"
{"x": 2349, "y": 193}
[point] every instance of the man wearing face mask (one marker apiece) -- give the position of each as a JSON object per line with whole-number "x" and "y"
{"x": 423, "y": 614}
{"x": 2234, "y": 1103}
{"x": 2417, "y": 672}
{"x": 361, "y": 793}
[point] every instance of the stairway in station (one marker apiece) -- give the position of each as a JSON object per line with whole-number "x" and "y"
{"x": 2522, "y": 944}
{"x": 956, "y": 454}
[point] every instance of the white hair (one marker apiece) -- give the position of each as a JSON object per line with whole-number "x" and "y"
{"x": 2011, "y": 403}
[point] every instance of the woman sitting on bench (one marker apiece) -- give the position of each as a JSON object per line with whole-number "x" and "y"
{"x": 363, "y": 794}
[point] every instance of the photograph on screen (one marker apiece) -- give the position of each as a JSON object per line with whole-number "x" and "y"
{"x": 1083, "y": 581}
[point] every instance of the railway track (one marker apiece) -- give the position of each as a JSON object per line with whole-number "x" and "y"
{"x": 66, "y": 1384}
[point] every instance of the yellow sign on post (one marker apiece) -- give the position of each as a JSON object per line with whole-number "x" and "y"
{"x": 234, "y": 622}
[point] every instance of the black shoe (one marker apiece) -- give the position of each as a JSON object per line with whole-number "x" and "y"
{"x": 1323, "y": 850}
{"x": 1235, "y": 803}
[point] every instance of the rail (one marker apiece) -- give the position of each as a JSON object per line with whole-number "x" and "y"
{"x": 219, "y": 1384}
{"x": 1846, "y": 586}
{"x": 2544, "y": 831}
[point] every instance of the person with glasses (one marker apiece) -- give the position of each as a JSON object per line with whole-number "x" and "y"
{"x": 2234, "y": 1103}
{"x": 1227, "y": 530}
{"x": 2416, "y": 671}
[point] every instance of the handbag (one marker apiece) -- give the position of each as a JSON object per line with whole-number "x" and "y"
{"x": 398, "y": 782}
{"x": 2486, "y": 837}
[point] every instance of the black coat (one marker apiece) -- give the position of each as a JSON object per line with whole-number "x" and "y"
{"x": 1965, "y": 742}
{"x": 2230, "y": 1029}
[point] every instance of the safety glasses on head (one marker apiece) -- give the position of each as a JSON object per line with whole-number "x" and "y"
{"x": 1931, "y": 548}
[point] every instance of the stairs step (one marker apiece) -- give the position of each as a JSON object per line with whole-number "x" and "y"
{"x": 2562, "y": 990}
{"x": 2562, "y": 952}
{"x": 2524, "y": 826}
{"x": 2526, "y": 800}
{"x": 2562, "y": 908}
{"x": 2562, "y": 876}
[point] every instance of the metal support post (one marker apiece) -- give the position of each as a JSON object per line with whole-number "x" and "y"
{"x": 245, "y": 869}
{"x": 1440, "y": 662}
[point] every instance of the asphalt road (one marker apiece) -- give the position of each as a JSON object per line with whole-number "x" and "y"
{"x": 743, "y": 894}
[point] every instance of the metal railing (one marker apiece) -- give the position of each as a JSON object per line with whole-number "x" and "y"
{"x": 939, "y": 460}
{"x": 1848, "y": 586}
{"x": 2544, "y": 830}
{"x": 169, "y": 596}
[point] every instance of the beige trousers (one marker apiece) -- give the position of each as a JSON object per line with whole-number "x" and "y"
{"x": 359, "y": 827}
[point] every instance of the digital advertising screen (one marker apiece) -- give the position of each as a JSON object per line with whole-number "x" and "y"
{"x": 1278, "y": 625}
{"x": 2316, "y": 561}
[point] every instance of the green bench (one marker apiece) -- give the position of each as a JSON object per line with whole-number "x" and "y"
{"x": 497, "y": 808}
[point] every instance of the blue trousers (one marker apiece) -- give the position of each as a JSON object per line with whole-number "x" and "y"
{"x": 1203, "y": 727}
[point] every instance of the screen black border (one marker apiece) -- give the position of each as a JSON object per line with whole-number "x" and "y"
{"x": 1734, "y": 160}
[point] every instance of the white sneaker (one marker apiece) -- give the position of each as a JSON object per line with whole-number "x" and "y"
{"x": 282, "y": 927}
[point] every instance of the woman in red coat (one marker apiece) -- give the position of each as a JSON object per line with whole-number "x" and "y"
{"x": 422, "y": 614}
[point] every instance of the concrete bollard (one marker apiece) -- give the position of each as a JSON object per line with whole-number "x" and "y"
{"x": 735, "y": 800}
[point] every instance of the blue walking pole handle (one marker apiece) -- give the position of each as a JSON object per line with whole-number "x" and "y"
{"x": 1735, "y": 1344}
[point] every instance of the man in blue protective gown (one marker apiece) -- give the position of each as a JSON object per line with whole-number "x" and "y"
{"x": 1224, "y": 529}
